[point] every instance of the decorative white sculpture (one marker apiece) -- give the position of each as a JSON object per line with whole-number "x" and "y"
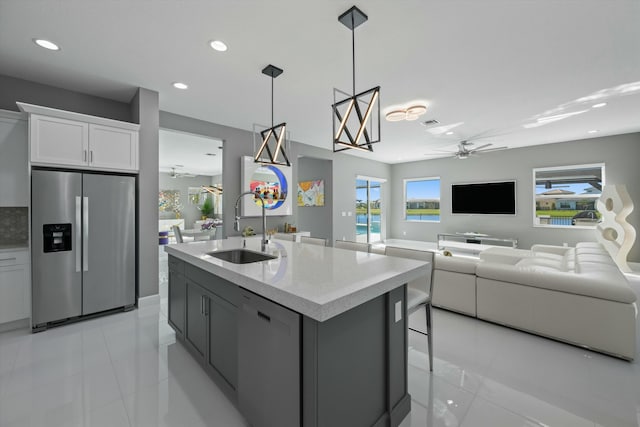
{"x": 614, "y": 232}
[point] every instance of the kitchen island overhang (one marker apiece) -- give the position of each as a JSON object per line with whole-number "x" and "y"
{"x": 346, "y": 342}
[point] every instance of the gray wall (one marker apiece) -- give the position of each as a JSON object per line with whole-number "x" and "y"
{"x": 13, "y": 90}
{"x": 144, "y": 110}
{"x": 316, "y": 219}
{"x": 190, "y": 212}
{"x": 239, "y": 143}
{"x": 236, "y": 144}
{"x": 343, "y": 189}
{"x": 620, "y": 154}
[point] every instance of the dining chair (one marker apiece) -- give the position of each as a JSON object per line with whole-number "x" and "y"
{"x": 284, "y": 236}
{"x": 313, "y": 240}
{"x": 353, "y": 246}
{"x": 177, "y": 234}
{"x": 419, "y": 291}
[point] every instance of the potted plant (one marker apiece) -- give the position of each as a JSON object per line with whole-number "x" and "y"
{"x": 207, "y": 208}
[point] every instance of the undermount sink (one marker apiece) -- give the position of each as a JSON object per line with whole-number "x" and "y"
{"x": 241, "y": 256}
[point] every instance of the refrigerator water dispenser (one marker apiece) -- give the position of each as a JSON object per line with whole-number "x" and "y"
{"x": 56, "y": 237}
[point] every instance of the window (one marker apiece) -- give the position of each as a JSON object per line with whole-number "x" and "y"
{"x": 566, "y": 196}
{"x": 422, "y": 199}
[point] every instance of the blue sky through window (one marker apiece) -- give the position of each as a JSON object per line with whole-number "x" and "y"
{"x": 424, "y": 189}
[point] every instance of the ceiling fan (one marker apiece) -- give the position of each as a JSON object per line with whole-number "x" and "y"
{"x": 174, "y": 174}
{"x": 465, "y": 150}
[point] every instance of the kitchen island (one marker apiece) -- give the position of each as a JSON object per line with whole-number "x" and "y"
{"x": 313, "y": 337}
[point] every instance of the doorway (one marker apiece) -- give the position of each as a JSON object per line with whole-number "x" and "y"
{"x": 369, "y": 209}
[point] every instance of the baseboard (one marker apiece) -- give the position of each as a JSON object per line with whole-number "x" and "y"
{"x": 149, "y": 300}
{"x": 16, "y": 324}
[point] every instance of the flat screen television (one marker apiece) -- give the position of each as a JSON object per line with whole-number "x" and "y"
{"x": 497, "y": 198}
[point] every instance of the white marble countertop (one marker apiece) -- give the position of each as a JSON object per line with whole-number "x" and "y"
{"x": 316, "y": 281}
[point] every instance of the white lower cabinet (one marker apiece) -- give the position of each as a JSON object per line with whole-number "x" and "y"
{"x": 14, "y": 286}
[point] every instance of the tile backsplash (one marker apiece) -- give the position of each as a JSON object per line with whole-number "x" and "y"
{"x": 14, "y": 226}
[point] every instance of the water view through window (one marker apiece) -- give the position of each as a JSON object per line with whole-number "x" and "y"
{"x": 422, "y": 199}
{"x": 368, "y": 211}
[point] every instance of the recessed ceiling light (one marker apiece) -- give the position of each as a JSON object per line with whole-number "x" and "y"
{"x": 179, "y": 85}
{"x": 602, "y": 104}
{"x": 46, "y": 44}
{"x": 594, "y": 131}
{"x": 218, "y": 45}
{"x": 449, "y": 133}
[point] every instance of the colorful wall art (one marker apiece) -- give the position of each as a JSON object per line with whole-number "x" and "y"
{"x": 169, "y": 202}
{"x": 311, "y": 193}
{"x": 271, "y": 182}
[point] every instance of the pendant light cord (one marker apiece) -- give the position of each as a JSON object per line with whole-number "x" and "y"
{"x": 353, "y": 53}
{"x": 272, "y": 101}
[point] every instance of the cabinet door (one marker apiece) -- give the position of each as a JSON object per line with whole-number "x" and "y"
{"x": 14, "y": 176}
{"x": 268, "y": 363}
{"x": 223, "y": 339}
{"x": 196, "y": 318}
{"x": 58, "y": 141}
{"x": 14, "y": 293}
{"x": 177, "y": 301}
{"x": 113, "y": 148}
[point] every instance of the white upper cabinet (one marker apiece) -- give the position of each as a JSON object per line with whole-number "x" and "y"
{"x": 58, "y": 141}
{"x": 113, "y": 148}
{"x": 14, "y": 169}
{"x": 72, "y": 140}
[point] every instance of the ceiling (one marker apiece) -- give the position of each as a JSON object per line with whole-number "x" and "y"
{"x": 515, "y": 72}
{"x": 185, "y": 153}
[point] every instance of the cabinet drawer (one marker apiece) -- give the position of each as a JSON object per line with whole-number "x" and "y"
{"x": 217, "y": 285}
{"x": 13, "y": 258}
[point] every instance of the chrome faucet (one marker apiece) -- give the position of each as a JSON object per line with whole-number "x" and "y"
{"x": 236, "y": 223}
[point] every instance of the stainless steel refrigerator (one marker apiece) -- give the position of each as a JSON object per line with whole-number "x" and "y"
{"x": 82, "y": 244}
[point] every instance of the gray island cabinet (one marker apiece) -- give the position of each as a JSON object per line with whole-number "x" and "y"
{"x": 316, "y": 337}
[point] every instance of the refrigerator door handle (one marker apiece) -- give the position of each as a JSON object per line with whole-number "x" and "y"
{"x": 78, "y": 234}
{"x": 85, "y": 234}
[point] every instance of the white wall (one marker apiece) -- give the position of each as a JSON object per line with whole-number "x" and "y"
{"x": 620, "y": 153}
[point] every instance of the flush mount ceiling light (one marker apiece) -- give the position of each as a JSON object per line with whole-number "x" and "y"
{"x": 593, "y": 131}
{"x": 218, "y": 45}
{"x": 47, "y": 44}
{"x": 179, "y": 85}
{"x": 275, "y": 136}
{"x": 349, "y": 128}
{"x": 409, "y": 113}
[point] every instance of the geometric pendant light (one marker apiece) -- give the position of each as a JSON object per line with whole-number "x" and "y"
{"x": 356, "y": 118}
{"x": 273, "y": 138}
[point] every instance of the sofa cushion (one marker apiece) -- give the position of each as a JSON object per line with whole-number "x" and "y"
{"x": 604, "y": 282}
{"x": 599, "y": 258}
{"x": 535, "y": 263}
{"x": 456, "y": 264}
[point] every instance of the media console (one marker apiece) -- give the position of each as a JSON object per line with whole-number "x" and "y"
{"x": 475, "y": 242}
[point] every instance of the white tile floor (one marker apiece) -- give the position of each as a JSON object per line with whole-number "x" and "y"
{"x": 127, "y": 370}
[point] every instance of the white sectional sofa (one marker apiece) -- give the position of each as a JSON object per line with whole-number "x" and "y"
{"x": 577, "y": 295}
